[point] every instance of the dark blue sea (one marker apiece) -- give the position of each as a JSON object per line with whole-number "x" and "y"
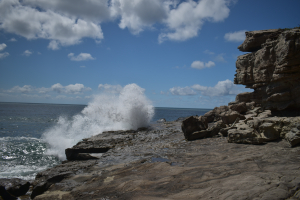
{"x": 30, "y": 132}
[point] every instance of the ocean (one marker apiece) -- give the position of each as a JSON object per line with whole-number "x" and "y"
{"x": 33, "y": 136}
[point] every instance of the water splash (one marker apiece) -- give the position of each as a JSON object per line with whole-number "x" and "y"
{"x": 128, "y": 110}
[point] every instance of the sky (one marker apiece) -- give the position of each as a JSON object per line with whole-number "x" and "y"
{"x": 182, "y": 53}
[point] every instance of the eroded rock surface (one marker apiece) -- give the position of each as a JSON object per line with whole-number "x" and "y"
{"x": 160, "y": 164}
{"x": 272, "y": 68}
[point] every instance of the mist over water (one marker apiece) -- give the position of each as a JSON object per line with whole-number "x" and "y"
{"x": 128, "y": 110}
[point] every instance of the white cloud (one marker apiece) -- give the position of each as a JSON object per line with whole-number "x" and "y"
{"x": 57, "y": 88}
{"x": 238, "y": 36}
{"x": 182, "y": 91}
{"x": 24, "y": 89}
{"x": 110, "y": 88}
{"x": 54, "y": 45}
{"x": 83, "y": 66}
{"x": 13, "y": 40}
{"x": 138, "y": 15}
{"x": 2, "y": 46}
{"x": 222, "y": 88}
{"x": 53, "y": 20}
{"x": 201, "y": 65}
{"x": 70, "y": 89}
{"x": 80, "y": 57}
{"x": 3, "y": 55}
{"x": 27, "y": 53}
{"x": 68, "y": 22}
{"x": 187, "y": 18}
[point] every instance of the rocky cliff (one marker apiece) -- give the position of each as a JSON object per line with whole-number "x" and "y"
{"x": 269, "y": 113}
{"x": 272, "y": 68}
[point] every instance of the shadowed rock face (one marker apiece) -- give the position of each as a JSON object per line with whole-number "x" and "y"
{"x": 272, "y": 68}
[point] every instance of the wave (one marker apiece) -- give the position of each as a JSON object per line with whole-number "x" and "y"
{"x": 128, "y": 110}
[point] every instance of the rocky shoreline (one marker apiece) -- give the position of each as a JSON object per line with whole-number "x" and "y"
{"x": 246, "y": 150}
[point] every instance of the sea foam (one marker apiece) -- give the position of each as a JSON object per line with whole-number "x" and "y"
{"x": 128, "y": 110}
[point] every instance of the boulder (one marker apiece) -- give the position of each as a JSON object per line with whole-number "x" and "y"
{"x": 247, "y": 136}
{"x": 15, "y": 186}
{"x": 193, "y": 124}
{"x": 269, "y": 132}
{"x": 230, "y": 117}
{"x": 293, "y": 137}
{"x": 239, "y": 107}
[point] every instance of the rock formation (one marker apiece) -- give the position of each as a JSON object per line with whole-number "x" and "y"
{"x": 271, "y": 112}
{"x": 272, "y": 68}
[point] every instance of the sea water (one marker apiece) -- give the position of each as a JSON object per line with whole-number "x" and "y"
{"x": 33, "y": 136}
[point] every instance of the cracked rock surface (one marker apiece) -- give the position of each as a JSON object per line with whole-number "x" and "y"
{"x": 158, "y": 163}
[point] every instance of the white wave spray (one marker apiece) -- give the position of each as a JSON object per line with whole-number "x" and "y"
{"x": 128, "y": 110}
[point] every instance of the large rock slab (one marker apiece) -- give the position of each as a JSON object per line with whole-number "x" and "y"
{"x": 166, "y": 166}
{"x": 98, "y": 144}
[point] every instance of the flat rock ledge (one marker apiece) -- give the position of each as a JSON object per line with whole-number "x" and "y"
{"x": 159, "y": 163}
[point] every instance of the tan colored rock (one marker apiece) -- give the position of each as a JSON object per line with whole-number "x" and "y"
{"x": 239, "y": 107}
{"x": 293, "y": 137}
{"x": 272, "y": 69}
{"x": 255, "y": 39}
{"x": 229, "y": 117}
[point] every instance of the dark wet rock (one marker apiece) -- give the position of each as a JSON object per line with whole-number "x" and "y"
{"x": 98, "y": 144}
{"x": 192, "y": 127}
{"x": 5, "y": 195}
{"x": 15, "y": 186}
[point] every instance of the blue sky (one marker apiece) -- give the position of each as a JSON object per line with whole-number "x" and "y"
{"x": 182, "y": 53}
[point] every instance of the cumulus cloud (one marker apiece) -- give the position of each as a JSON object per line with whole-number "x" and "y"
{"x": 110, "y": 88}
{"x": 222, "y": 88}
{"x": 80, "y": 57}
{"x": 68, "y": 22}
{"x": 53, "y": 20}
{"x": 27, "y": 53}
{"x": 3, "y": 55}
{"x": 186, "y": 19}
{"x": 238, "y": 36}
{"x": 70, "y": 89}
{"x": 13, "y": 40}
{"x": 2, "y": 46}
{"x": 24, "y": 89}
{"x": 139, "y": 14}
{"x": 182, "y": 91}
{"x": 201, "y": 65}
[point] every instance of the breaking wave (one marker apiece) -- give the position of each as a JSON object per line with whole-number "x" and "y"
{"x": 128, "y": 110}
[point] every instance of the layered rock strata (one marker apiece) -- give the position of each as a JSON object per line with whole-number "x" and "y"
{"x": 272, "y": 111}
{"x": 272, "y": 68}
